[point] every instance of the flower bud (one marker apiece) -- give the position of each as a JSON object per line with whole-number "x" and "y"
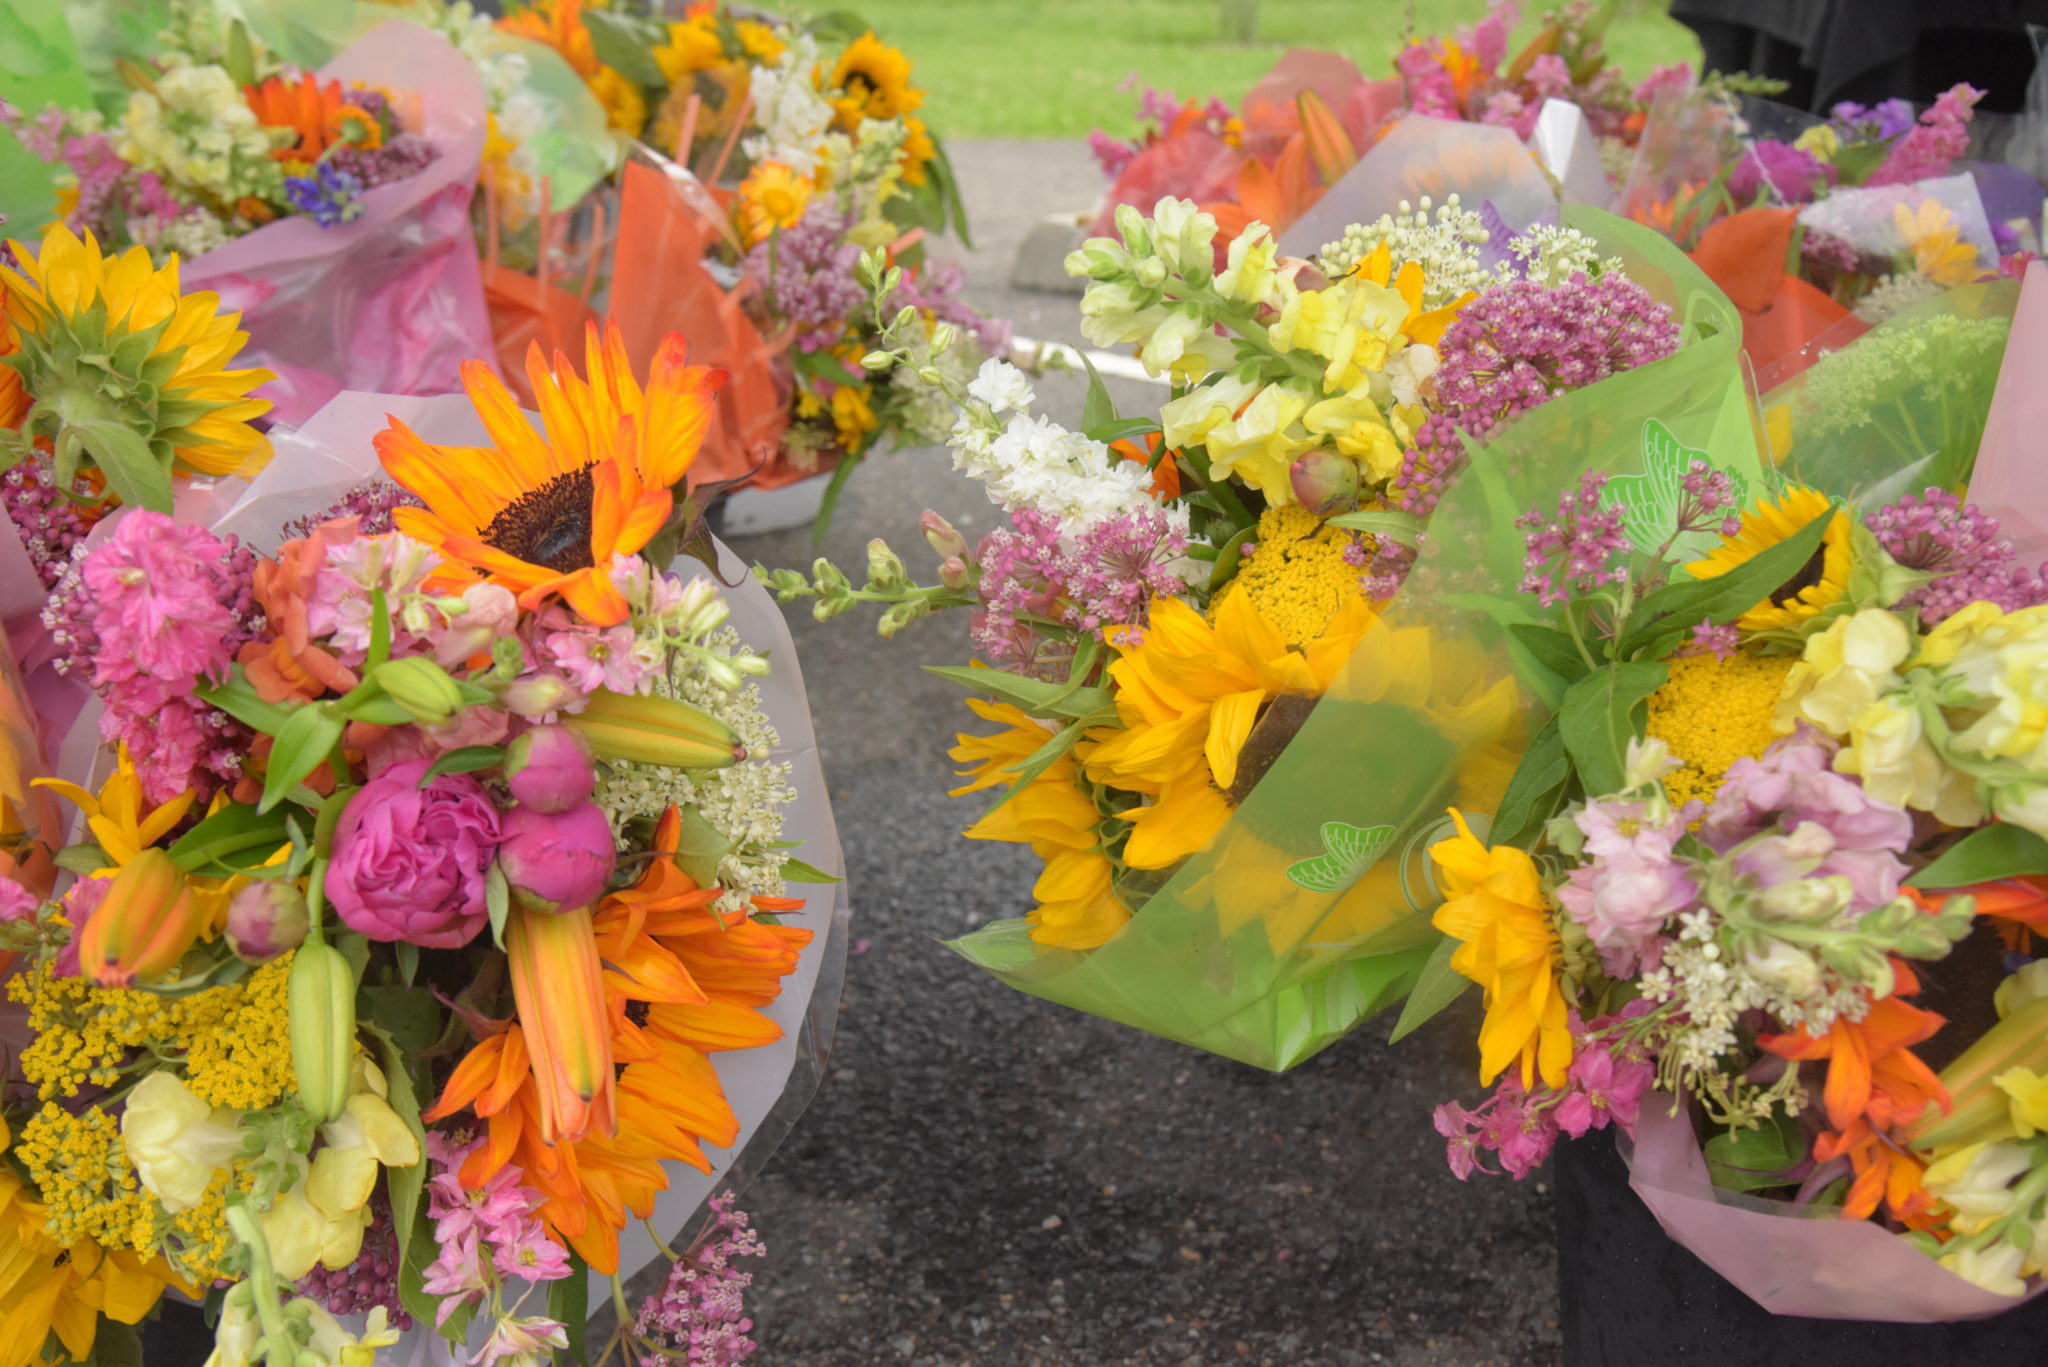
{"x": 548, "y": 769}
{"x": 265, "y": 920}
{"x": 942, "y": 338}
{"x": 1325, "y": 481}
{"x": 1778, "y": 965}
{"x": 145, "y": 923}
{"x": 421, "y": 687}
{"x": 885, "y": 567}
{"x": 556, "y": 862}
{"x": 537, "y": 695}
{"x": 1807, "y": 899}
{"x": 751, "y": 666}
{"x": 955, "y": 574}
{"x": 878, "y": 361}
{"x": 2028, "y": 984}
{"x": 944, "y": 539}
{"x": 721, "y": 671}
{"x": 905, "y": 316}
{"x": 1150, "y": 272}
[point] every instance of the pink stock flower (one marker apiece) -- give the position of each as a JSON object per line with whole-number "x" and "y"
{"x": 528, "y": 1253}
{"x": 611, "y": 658}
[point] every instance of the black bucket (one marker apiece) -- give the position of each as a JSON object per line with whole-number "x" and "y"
{"x": 1630, "y": 1296}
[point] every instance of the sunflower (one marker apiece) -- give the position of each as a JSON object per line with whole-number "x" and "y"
{"x": 1077, "y": 903}
{"x": 874, "y": 82}
{"x": 549, "y": 513}
{"x": 559, "y": 24}
{"x": 1820, "y": 582}
{"x": 681, "y": 984}
{"x": 693, "y": 45}
{"x": 771, "y": 197}
{"x": 107, "y": 358}
{"x": 1188, "y": 694}
{"x": 919, "y": 151}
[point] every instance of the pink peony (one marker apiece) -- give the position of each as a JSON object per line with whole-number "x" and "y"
{"x": 548, "y": 769}
{"x": 409, "y": 861}
{"x": 557, "y": 862}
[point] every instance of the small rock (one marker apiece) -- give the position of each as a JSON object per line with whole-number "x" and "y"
{"x": 1051, "y": 1222}
{"x": 1189, "y": 1254}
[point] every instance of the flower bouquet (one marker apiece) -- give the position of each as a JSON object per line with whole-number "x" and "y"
{"x": 1763, "y": 890}
{"x": 770, "y": 165}
{"x": 430, "y": 918}
{"x": 1192, "y": 634}
{"x": 330, "y": 208}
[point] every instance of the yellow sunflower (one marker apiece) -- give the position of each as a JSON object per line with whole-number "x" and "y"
{"x": 693, "y": 45}
{"x": 1931, "y": 234}
{"x": 548, "y": 512}
{"x": 1819, "y": 583}
{"x": 1188, "y": 694}
{"x": 919, "y": 151}
{"x": 1077, "y": 903}
{"x": 874, "y": 82}
{"x": 73, "y": 339}
{"x": 771, "y": 197}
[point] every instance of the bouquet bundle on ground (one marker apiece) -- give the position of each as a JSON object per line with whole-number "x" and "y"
{"x": 1187, "y": 650}
{"x": 427, "y": 918}
{"x": 775, "y": 153}
{"x": 1764, "y": 890}
{"x": 330, "y": 207}
{"x": 1301, "y": 128}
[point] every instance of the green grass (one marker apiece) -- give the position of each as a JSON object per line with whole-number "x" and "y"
{"x": 1050, "y": 68}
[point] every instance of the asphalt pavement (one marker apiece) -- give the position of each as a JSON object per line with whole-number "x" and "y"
{"x": 988, "y": 1179}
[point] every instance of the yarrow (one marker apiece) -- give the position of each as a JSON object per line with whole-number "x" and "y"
{"x": 808, "y": 275}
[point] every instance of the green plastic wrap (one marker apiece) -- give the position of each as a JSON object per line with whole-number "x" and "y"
{"x": 1309, "y": 910}
{"x": 39, "y": 65}
{"x": 1897, "y": 408}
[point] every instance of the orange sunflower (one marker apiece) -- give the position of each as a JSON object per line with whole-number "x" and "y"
{"x": 320, "y": 114}
{"x": 548, "y": 512}
{"x": 680, "y": 985}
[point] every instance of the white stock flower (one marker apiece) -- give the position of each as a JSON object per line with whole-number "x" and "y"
{"x": 1002, "y": 386}
{"x": 175, "y": 1140}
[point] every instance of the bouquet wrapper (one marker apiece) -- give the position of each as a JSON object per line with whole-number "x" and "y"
{"x": 767, "y": 1087}
{"x": 2008, "y": 483}
{"x": 1686, "y": 139}
{"x": 1866, "y": 217}
{"x": 44, "y": 67}
{"x": 1421, "y": 156}
{"x": 1192, "y": 163}
{"x": 393, "y": 300}
{"x": 1272, "y": 115}
{"x": 1781, "y": 313}
{"x": 1309, "y": 910}
{"x": 1564, "y": 142}
{"x": 1811, "y": 1263}
{"x": 1874, "y": 413}
{"x": 668, "y": 222}
{"x": 549, "y": 306}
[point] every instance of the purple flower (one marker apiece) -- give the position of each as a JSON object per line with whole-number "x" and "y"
{"x": 1605, "y": 1082}
{"x": 409, "y": 860}
{"x": 1792, "y": 175}
{"x": 1939, "y": 533}
{"x": 699, "y": 1317}
{"x": 1573, "y": 552}
{"x": 329, "y": 196}
{"x": 17, "y": 903}
{"x": 49, "y": 523}
{"x": 808, "y": 275}
{"x": 1928, "y": 150}
{"x": 368, "y": 1282}
{"x": 1885, "y": 120}
{"x": 371, "y": 503}
{"x": 1721, "y": 642}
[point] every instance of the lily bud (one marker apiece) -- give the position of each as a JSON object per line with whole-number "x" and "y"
{"x": 266, "y": 920}
{"x": 556, "y": 862}
{"x": 558, "y": 987}
{"x": 145, "y": 923}
{"x": 548, "y": 769}
{"x": 878, "y": 361}
{"x": 942, "y": 536}
{"x": 421, "y": 687}
{"x": 1325, "y": 481}
{"x": 942, "y": 339}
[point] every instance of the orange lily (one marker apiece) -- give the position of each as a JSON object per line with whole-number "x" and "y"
{"x": 547, "y": 513}
{"x": 558, "y": 984}
{"x": 1165, "y": 475}
{"x": 1885, "y": 1171}
{"x": 2017, "y": 906}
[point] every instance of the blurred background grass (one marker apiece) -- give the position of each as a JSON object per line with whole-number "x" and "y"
{"x": 1050, "y": 68}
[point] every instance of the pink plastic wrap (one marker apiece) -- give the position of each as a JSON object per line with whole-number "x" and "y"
{"x": 2008, "y": 483}
{"x": 1816, "y": 1264}
{"x": 392, "y": 302}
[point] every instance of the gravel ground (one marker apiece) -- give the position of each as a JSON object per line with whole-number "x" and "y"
{"x": 988, "y": 1179}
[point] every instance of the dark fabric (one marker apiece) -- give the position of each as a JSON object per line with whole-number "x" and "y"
{"x": 1871, "y": 50}
{"x": 1629, "y": 1296}
{"x": 176, "y": 1337}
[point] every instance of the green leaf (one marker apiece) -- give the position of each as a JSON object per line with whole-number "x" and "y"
{"x": 1041, "y": 759}
{"x": 1755, "y": 1159}
{"x": 797, "y": 871}
{"x": 498, "y": 901}
{"x": 1985, "y": 854}
{"x": 1663, "y": 619}
{"x": 1121, "y": 429}
{"x": 949, "y": 186}
{"x": 823, "y": 365}
{"x": 1405, "y": 528}
{"x": 229, "y": 832}
{"x": 1597, "y": 719}
{"x": 380, "y": 631}
{"x": 1036, "y": 696}
{"x": 1098, "y": 409}
{"x": 403, "y": 1184}
{"x": 569, "y": 1306}
{"x": 82, "y": 859}
{"x": 467, "y": 759}
{"x": 1855, "y": 162}
{"x": 331, "y": 808}
{"x": 408, "y": 955}
{"x": 116, "y": 1344}
{"x": 625, "y": 46}
{"x": 378, "y": 709}
{"x": 412, "y": 1292}
{"x": 1437, "y": 988}
{"x": 1534, "y": 791}
{"x": 1552, "y": 647}
{"x": 241, "y": 57}
{"x": 409, "y": 1014}
{"x": 699, "y": 847}
{"x": 242, "y": 702}
{"x": 837, "y": 27}
{"x": 1230, "y": 559}
{"x": 133, "y": 470}
{"x": 303, "y": 744}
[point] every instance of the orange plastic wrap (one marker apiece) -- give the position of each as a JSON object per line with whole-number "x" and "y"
{"x": 539, "y": 306}
{"x": 1745, "y": 255}
{"x": 667, "y": 222}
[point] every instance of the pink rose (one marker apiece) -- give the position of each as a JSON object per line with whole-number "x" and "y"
{"x": 409, "y": 862}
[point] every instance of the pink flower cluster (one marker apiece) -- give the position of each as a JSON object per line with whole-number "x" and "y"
{"x": 49, "y": 523}
{"x": 1630, "y": 884}
{"x": 1610, "y": 1072}
{"x": 114, "y": 199}
{"x": 808, "y": 275}
{"x": 157, "y": 610}
{"x": 1572, "y": 552}
{"x": 1937, "y": 532}
{"x": 1108, "y": 577}
{"x": 485, "y": 1235}
{"x": 370, "y": 503}
{"x": 1931, "y": 148}
{"x": 699, "y": 1319}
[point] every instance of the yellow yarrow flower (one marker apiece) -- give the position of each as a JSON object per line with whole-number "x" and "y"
{"x": 1297, "y": 577}
{"x": 1712, "y": 712}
